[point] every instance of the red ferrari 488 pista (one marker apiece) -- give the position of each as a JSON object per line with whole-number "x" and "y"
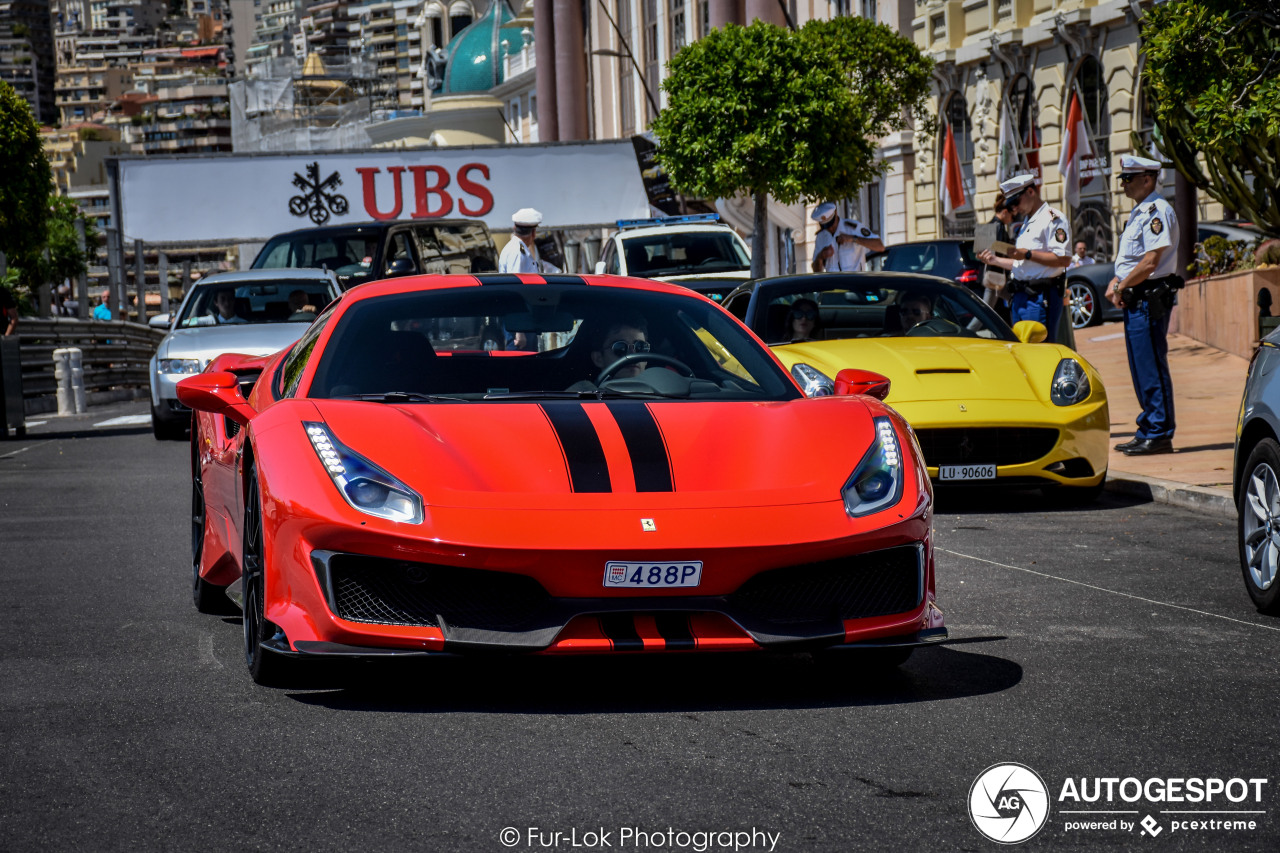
{"x": 552, "y": 465}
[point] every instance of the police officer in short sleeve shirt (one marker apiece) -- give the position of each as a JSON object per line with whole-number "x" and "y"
{"x": 1146, "y": 264}
{"x": 1040, "y": 257}
{"x": 841, "y": 245}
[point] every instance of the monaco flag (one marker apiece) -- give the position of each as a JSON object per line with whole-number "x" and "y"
{"x": 952, "y": 182}
{"x": 1075, "y": 148}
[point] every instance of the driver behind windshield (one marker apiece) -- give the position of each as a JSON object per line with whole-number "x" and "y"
{"x": 915, "y": 308}
{"x": 623, "y": 337}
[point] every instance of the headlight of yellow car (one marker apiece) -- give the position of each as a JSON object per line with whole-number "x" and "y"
{"x": 1070, "y": 383}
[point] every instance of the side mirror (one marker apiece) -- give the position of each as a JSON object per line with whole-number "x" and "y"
{"x": 160, "y": 321}
{"x": 400, "y": 266}
{"x": 851, "y": 381}
{"x": 599, "y": 267}
{"x": 217, "y": 393}
{"x": 1030, "y": 332}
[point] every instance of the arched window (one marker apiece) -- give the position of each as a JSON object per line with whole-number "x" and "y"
{"x": 434, "y": 15}
{"x": 955, "y": 115}
{"x": 1092, "y": 219}
{"x": 460, "y": 17}
{"x": 1026, "y": 124}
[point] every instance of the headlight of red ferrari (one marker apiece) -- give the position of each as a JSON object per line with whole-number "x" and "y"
{"x": 876, "y": 483}
{"x": 363, "y": 485}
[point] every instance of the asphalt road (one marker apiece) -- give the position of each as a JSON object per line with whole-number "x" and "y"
{"x": 1116, "y": 641}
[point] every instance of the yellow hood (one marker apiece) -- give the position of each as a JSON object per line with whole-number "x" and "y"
{"x": 925, "y": 369}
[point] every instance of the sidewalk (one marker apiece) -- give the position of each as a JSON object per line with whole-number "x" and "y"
{"x": 1207, "y": 385}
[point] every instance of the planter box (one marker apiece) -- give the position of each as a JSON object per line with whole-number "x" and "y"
{"x": 1222, "y": 310}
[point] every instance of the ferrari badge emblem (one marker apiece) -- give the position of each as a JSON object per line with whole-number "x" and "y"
{"x": 1156, "y": 225}
{"x": 647, "y": 525}
{"x": 963, "y": 408}
{"x": 1060, "y": 235}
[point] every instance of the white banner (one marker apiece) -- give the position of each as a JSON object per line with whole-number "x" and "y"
{"x": 248, "y": 198}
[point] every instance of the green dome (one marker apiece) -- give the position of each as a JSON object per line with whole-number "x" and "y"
{"x": 474, "y": 61}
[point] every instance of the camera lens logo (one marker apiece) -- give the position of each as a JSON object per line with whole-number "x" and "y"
{"x": 1008, "y": 803}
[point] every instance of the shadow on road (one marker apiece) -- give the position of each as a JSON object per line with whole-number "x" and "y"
{"x": 660, "y": 683}
{"x": 961, "y": 500}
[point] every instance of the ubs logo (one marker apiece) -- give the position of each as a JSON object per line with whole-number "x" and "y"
{"x": 316, "y": 199}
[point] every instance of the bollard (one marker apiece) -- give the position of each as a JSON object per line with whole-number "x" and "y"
{"x": 62, "y": 373}
{"x": 68, "y": 370}
{"x": 77, "y": 381}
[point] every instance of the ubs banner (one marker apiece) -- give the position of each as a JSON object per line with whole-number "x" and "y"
{"x": 243, "y": 198}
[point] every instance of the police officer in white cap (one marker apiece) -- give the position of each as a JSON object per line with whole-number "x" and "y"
{"x": 520, "y": 255}
{"x": 841, "y": 244}
{"x": 1144, "y": 285}
{"x": 1040, "y": 256}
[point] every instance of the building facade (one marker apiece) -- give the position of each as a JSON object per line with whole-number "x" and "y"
{"x": 26, "y": 54}
{"x": 1021, "y": 62}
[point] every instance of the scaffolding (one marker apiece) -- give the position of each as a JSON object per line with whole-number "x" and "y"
{"x": 312, "y": 106}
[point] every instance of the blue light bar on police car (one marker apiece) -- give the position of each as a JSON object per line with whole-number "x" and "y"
{"x": 669, "y": 220}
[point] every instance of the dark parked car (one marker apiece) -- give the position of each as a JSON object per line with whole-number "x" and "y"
{"x": 949, "y": 258}
{"x": 1087, "y": 287}
{"x": 367, "y": 251}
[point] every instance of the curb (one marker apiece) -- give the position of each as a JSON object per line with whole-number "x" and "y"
{"x": 1216, "y": 502}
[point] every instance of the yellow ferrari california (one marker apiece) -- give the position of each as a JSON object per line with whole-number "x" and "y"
{"x": 989, "y": 404}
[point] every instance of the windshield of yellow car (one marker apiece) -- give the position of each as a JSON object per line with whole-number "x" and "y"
{"x": 915, "y": 308}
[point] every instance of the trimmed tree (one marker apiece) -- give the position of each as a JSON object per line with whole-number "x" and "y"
{"x": 767, "y": 111}
{"x": 28, "y": 181}
{"x": 1213, "y": 76}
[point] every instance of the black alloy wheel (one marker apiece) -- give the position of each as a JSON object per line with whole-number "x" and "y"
{"x": 265, "y": 667}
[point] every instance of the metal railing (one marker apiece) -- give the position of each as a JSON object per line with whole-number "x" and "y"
{"x": 116, "y": 356}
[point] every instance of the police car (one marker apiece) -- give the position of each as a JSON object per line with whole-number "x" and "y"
{"x": 688, "y": 250}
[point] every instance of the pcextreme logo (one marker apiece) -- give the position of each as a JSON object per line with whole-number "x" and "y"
{"x": 1008, "y": 803}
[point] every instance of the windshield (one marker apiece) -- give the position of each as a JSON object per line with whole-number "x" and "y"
{"x": 504, "y": 342}
{"x": 682, "y": 253}
{"x": 278, "y": 301}
{"x": 912, "y": 308}
{"x": 454, "y": 247}
{"x": 946, "y": 258}
{"x": 349, "y": 254}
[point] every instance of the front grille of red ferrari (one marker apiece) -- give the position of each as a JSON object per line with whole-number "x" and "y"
{"x": 502, "y": 609}
{"x": 986, "y": 445}
{"x": 391, "y": 592}
{"x": 855, "y": 587}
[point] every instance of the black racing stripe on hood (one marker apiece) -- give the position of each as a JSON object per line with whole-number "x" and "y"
{"x": 562, "y": 278}
{"x": 588, "y": 469}
{"x": 649, "y": 460}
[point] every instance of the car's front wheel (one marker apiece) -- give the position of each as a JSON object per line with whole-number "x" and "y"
{"x": 165, "y": 428}
{"x": 1259, "y": 527}
{"x": 1085, "y": 310}
{"x": 265, "y": 667}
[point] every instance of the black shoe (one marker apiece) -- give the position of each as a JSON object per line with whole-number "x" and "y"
{"x": 1150, "y": 447}
{"x": 1125, "y": 445}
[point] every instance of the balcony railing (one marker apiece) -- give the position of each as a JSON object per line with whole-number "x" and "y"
{"x": 519, "y": 62}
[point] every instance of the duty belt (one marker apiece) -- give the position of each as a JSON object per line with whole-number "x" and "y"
{"x": 1038, "y": 285}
